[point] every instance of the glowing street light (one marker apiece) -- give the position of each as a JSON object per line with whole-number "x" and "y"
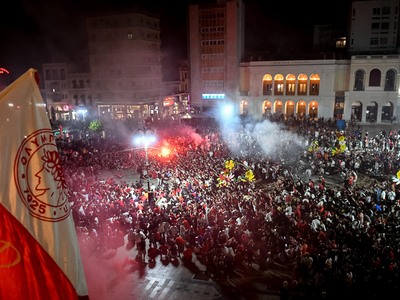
{"x": 227, "y": 110}
{"x": 82, "y": 112}
{"x": 145, "y": 138}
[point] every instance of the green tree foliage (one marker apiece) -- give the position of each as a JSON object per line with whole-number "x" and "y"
{"x": 96, "y": 126}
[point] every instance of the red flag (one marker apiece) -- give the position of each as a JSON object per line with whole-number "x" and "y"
{"x": 39, "y": 250}
{"x": 26, "y": 269}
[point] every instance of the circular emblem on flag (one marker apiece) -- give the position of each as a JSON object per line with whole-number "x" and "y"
{"x": 39, "y": 177}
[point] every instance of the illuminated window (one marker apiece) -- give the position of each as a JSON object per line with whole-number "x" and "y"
{"x": 290, "y": 84}
{"x": 267, "y": 108}
{"x": 302, "y": 89}
{"x": 278, "y": 107}
{"x": 278, "y": 84}
{"x": 341, "y": 43}
{"x": 267, "y": 85}
{"x": 290, "y": 108}
{"x": 314, "y": 84}
{"x": 302, "y": 84}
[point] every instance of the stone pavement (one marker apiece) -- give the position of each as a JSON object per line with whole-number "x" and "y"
{"x": 118, "y": 276}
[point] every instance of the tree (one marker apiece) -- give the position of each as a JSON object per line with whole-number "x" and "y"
{"x": 96, "y": 126}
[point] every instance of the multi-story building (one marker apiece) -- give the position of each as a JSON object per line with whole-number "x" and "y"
{"x": 80, "y": 92}
{"x": 125, "y": 64}
{"x": 216, "y": 48}
{"x": 363, "y": 87}
{"x": 374, "y": 27}
{"x": 56, "y": 91}
{"x": 125, "y": 70}
{"x": 176, "y": 100}
{"x": 295, "y": 88}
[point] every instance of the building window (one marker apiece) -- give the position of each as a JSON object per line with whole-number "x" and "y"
{"x": 376, "y": 11}
{"x": 386, "y": 10}
{"x": 339, "y": 105}
{"x": 359, "y": 80}
{"x": 267, "y": 108}
{"x": 290, "y": 84}
{"x": 385, "y": 27}
{"x": 278, "y": 84}
{"x": 55, "y": 75}
{"x": 390, "y": 80}
{"x": 267, "y": 88}
{"x": 314, "y": 84}
{"x": 48, "y": 74}
{"x": 341, "y": 43}
{"x": 267, "y": 85}
{"x": 302, "y": 84}
{"x": 290, "y": 88}
{"x": 302, "y": 89}
{"x": 383, "y": 41}
{"x": 374, "y": 41}
{"x": 375, "y": 77}
{"x": 375, "y": 26}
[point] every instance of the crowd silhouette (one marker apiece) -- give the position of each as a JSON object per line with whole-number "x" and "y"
{"x": 323, "y": 205}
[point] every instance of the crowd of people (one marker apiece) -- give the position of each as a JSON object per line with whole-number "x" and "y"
{"x": 334, "y": 240}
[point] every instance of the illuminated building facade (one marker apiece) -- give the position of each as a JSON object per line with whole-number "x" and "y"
{"x": 363, "y": 86}
{"x": 125, "y": 70}
{"x": 216, "y": 47}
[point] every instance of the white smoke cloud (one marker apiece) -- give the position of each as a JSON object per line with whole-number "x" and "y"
{"x": 272, "y": 139}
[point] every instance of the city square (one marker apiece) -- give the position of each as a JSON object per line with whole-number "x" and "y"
{"x": 200, "y": 149}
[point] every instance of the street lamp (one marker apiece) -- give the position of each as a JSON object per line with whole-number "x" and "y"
{"x": 82, "y": 112}
{"x": 145, "y": 138}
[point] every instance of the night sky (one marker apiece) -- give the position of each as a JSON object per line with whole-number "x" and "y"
{"x": 45, "y": 31}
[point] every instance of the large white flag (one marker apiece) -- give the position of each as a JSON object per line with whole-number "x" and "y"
{"x": 39, "y": 250}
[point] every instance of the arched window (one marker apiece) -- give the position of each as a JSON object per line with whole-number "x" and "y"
{"x": 301, "y": 109}
{"x": 359, "y": 80}
{"x": 278, "y": 107}
{"x": 244, "y": 107}
{"x": 267, "y": 85}
{"x": 302, "y": 84}
{"x": 390, "y": 80}
{"x": 290, "y": 84}
{"x": 375, "y": 77}
{"x": 278, "y": 84}
{"x": 267, "y": 108}
{"x": 289, "y": 109}
{"x": 314, "y": 84}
